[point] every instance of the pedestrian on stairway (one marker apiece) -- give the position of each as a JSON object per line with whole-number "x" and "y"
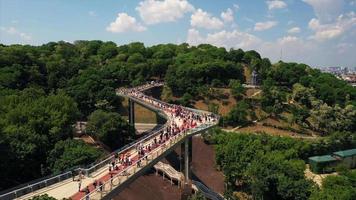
{"x": 95, "y": 184}
{"x": 100, "y": 186}
{"x": 73, "y": 174}
{"x": 79, "y": 184}
{"x": 87, "y": 191}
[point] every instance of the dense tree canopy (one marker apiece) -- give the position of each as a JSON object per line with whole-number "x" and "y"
{"x": 342, "y": 187}
{"x": 110, "y": 128}
{"x": 270, "y": 167}
{"x": 31, "y": 123}
{"x": 70, "y": 153}
{"x": 318, "y": 101}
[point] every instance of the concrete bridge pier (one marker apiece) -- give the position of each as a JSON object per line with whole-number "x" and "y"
{"x": 185, "y": 166}
{"x": 131, "y": 112}
{"x": 186, "y": 158}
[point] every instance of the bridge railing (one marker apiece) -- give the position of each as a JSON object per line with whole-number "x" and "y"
{"x": 108, "y": 160}
{"x": 121, "y": 177}
{"x": 89, "y": 170}
{"x": 31, "y": 187}
{"x": 207, "y": 192}
{"x": 124, "y": 175}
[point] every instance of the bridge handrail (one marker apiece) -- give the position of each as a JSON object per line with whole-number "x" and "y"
{"x": 57, "y": 178}
{"x": 134, "y": 164}
{"x": 124, "y": 148}
{"x": 92, "y": 166}
{"x": 179, "y": 136}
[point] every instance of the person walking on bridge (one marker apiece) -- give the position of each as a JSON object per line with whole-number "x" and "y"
{"x": 87, "y": 192}
{"x": 79, "y": 184}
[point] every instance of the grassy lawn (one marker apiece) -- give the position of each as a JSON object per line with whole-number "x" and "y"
{"x": 266, "y": 129}
{"x": 224, "y": 103}
{"x": 142, "y": 115}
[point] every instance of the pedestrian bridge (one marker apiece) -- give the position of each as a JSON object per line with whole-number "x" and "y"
{"x": 77, "y": 183}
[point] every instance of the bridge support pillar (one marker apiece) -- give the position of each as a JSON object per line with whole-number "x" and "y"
{"x": 186, "y": 159}
{"x": 131, "y": 112}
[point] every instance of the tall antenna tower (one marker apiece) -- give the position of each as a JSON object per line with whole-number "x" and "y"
{"x": 280, "y": 58}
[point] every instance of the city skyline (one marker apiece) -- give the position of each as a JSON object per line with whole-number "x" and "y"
{"x": 315, "y": 32}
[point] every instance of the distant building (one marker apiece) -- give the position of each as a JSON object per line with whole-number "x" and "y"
{"x": 322, "y": 164}
{"x": 80, "y": 128}
{"x": 351, "y": 78}
{"x": 328, "y": 163}
{"x": 348, "y": 157}
{"x": 254, "y": 78}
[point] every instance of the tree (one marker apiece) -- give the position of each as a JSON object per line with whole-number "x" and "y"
{"x": 327, "y": 119}
{"x": 186, "y": 100}
{"x": 340, "y": 187}
{"x": 91, "y": 88}
{"x": 237, "y": 89}
{"x": 43, "y": 197}
{"x": 31, "y": 123}
{"x": 107, "y": 50}
{"x": 110, "y": 128}
{"x": 238, "y": 114}
{"x": 250, "y": 56}
{"x": 236, "y": 55}
{"x": 70, "y": 153}
{"x": 265, "y": 166}
{"x": 272, "y": 100}
{"x": 303, "y": 95}
{"x": 197, "y": 196}
{"x": 135, "y": 58}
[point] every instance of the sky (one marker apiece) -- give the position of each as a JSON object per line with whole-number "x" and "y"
{"x": 320, "y": 33}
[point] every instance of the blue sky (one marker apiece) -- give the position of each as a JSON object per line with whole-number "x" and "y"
{"x": 316, "y": 32}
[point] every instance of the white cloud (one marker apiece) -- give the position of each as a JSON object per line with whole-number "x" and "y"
{"x": 334, "y": 29}
{"x": 228, "y": 15}
{"x": 194, "y": 37}
{"x": 227, "y": 39}
{"x": 153, "y": 11}
{"x": 326, "y": 10}
{"x": 15, "y": 32}
{"x": 125, "y": 23}
{"x": 294, "y": 48}
{"x": 276, "y": 4}
{"x": 203, "y": 19}
{"x": 289, "y": 48}
{"x": 261, "y": 26}
{"x": 287, "y": 39}
{"x": 236, "y": 6}
{"x": 248, "y": 19}
{"x": 344, "y": 47}
{"x": 294, "y": 30}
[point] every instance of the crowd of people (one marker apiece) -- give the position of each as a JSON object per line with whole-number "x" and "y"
{"x": 180, "y": 120}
